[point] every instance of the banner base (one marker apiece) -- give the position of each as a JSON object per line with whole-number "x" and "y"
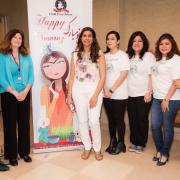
{"x": 70, "y": 148}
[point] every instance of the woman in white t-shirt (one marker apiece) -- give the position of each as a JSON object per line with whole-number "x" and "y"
{"x": 166, "y": 99}
{"x": 139, "y": 90}
{"x": 115, "y": 92}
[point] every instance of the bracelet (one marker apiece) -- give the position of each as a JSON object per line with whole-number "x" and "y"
{"x": 111, "y": 91}
{"x": 165, "y": 99}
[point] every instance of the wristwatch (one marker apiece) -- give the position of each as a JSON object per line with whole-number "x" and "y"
{"x": 111, "y": 91}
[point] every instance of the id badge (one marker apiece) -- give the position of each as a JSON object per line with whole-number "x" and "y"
{"x": 19, "y": 78}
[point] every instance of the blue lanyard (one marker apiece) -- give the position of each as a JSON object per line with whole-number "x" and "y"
{"x": 18, "y": 64}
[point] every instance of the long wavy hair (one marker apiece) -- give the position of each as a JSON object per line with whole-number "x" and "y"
{"x": 94, "y": 49}
{"x": 130, "y": 51}
{"x": 174, "y": 50}
{"x": 117, "y": 37}
{"x": 5, "y": 45}
{"x": 56, "y": 55}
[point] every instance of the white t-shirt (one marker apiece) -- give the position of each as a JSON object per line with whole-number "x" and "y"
{"x": 115, "y": 63}
{"x": 163, "y": 74}
{"x": 138, "y": 75}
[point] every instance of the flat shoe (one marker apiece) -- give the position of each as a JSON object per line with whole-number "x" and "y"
{"x": 13, "y": 162}
{"x": 85, "y": 155}
{"x": 98, "y": 156}
{"x": 3, "y": 167}
{"x": 27, "y": 158}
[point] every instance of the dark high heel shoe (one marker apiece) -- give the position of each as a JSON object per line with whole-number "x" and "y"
{"x": 121, "y": 147}
{"x": 112, "y": 145}
{"x": 156, "y": 157}
{"x": 162, "y": 163}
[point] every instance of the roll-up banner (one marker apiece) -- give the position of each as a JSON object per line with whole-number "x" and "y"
{"x": 54, "y": 27}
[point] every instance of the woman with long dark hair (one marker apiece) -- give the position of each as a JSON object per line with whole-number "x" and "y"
{"x": 139, "y": 90}
{"x": 87, "y": 76}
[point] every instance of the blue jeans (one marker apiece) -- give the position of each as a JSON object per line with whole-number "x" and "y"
{"x": 163, "y": 125}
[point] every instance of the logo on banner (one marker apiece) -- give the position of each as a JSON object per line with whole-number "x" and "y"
{"x": 60, "y": 6}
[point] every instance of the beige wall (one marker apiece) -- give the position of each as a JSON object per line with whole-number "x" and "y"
{"x": 105, "y": 17}
{"x": 153, "y": 17}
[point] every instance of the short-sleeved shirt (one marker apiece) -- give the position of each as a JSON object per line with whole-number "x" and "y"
{"x": 164, "y": 72}
{"x": 138, "y": 75}
{"x": 115, "y": 64}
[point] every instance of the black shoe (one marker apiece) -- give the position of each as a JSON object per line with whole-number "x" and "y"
{"x": 13, "y": 162}
{"x": 27, "y": 158}
{"x": 162, "y": 163}
{"x": 156, "y": 158}
{"x": 3, "y": 167}
{"x": 112, "y": 145}
{"x": 121, "y": 147}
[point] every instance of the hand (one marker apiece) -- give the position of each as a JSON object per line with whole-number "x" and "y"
{"x": 69, "y": 101}
{"x": 147, "y": 97}
{"x": 45, "y": 122}
{"x": 177, "y": 83}
{"x": 107, "y": 94}
{"x": 93, "y": 101}
{"x": 22, "y": 95}
{"x": 16, "y": 94}
{"x": 165, "y": 105}
{"x": 55, "y": 94}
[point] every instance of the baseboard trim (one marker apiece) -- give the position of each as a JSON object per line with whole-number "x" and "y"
{"x": 177, "y": 133}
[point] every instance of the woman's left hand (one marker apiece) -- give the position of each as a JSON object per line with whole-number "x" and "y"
{"x": 165, "y": 105}
{"x": 107, "y": 94}
{"x": 147, "y": 97}
{"x": 93, "y": 101}
{"x": 22, "y": 95}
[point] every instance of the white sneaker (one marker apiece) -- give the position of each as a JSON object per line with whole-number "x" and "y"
{"x": 132, "y": 148}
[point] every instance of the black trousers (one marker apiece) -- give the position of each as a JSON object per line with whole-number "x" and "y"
{"x": 138, "y": 112}
{"x": 115, "y": 110}
{"x": 14, "y": 113}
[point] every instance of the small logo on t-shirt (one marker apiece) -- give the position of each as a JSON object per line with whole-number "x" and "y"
{"x": 109, "y": 67}
{"x": 154, "y": 70}
{"x": 133, "y": 68}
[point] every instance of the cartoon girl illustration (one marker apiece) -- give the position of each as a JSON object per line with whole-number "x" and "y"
{"x": 55, "y": 68}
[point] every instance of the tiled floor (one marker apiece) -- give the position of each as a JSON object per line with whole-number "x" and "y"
{"x": 67, "y": 165}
